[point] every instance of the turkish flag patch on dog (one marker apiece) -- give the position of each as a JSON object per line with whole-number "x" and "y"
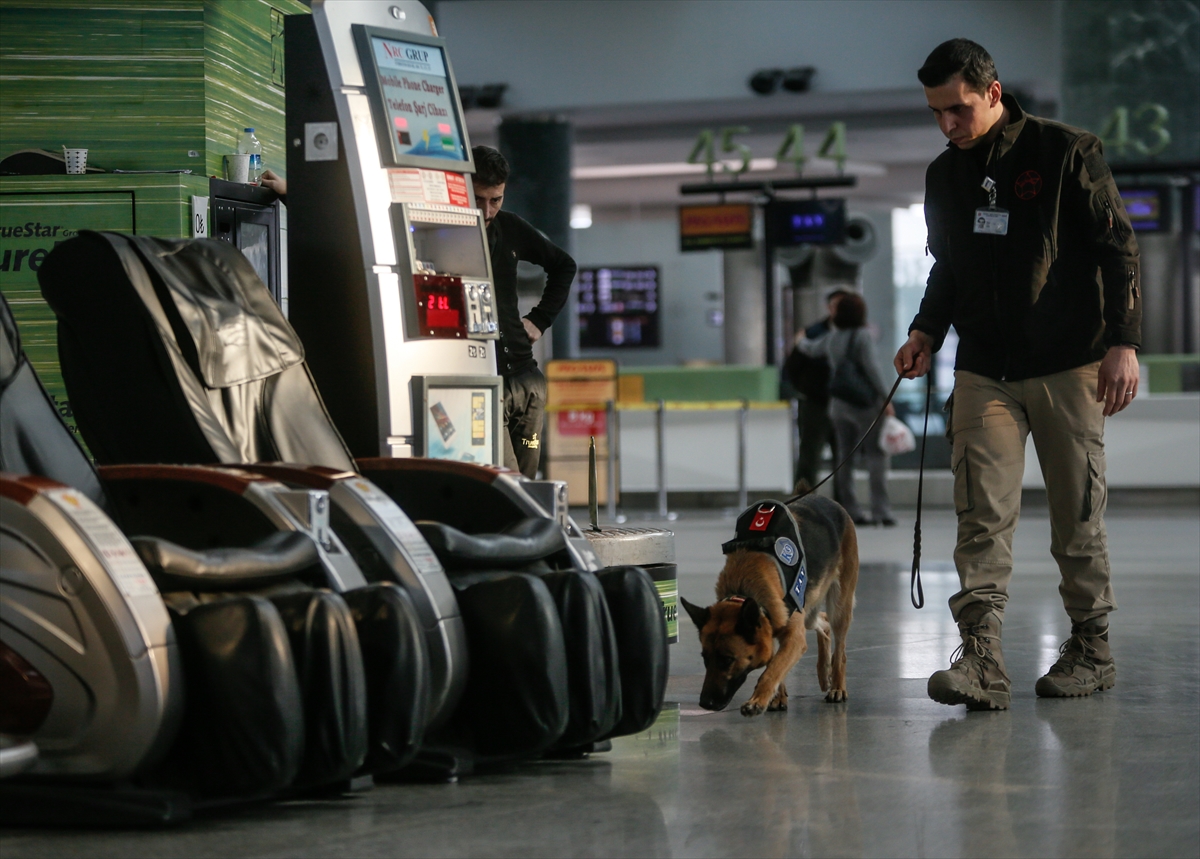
{"x": 762, "y": 517}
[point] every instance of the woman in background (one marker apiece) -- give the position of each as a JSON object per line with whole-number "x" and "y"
{"x": 849, "y": 341}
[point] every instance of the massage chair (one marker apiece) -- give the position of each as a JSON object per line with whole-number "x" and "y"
{"x": 174, "y": 352}
{"x": 142, "y": 676}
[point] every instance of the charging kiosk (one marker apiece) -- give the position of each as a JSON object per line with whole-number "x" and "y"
{"x": 391, "y": 286}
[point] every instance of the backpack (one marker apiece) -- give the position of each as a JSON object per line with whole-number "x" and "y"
{"x": 849, "y": 381}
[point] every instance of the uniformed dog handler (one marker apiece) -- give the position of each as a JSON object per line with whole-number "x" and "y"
{"x": 1036, "y": 266}
{"x": 510, "y": 239}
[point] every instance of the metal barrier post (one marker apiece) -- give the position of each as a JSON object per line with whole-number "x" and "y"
{"x": 660, "y": 427}
{"x": 743, "y": 416}
{"x": 610, "y": 409}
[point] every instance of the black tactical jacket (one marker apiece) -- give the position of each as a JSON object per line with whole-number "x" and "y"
{"x": 1062, "y": 286}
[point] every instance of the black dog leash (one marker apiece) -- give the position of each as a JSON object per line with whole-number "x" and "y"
{"x": 853, "y": 450}
{"x": 918, "y": 600}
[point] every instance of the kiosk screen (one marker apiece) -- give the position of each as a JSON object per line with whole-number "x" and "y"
{"x": 414, "y": 99}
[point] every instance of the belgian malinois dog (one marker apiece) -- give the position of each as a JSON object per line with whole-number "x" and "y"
{"x": 739, "y": 633}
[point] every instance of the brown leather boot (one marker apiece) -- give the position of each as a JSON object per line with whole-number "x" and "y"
{"x": 1085, "y": 664}
{"x": 976, "y": 676}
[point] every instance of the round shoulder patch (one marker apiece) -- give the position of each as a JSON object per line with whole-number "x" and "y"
{"x": 1028, "y": 185}
{"x": 786, "y": 551}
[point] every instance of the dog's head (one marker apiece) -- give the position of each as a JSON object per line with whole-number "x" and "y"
{"x": 735, "y": 639}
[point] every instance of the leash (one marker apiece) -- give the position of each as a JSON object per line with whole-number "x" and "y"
{"x": 916, "y": 593}
{"x": 918, "y": 601}
{"x": 854, "y": 449}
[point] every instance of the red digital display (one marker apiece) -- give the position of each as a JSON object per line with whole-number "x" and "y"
{"x": 436, "y": 317}
{"x": 440, "y": 301}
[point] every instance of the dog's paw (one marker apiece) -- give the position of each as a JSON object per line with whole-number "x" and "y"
{"x": 836, "y": 696}
{"x": 778, "y": 705}
{"x": 752, "y": 708}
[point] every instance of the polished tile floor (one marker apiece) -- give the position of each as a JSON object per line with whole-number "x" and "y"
{"x": 890, "y": 773}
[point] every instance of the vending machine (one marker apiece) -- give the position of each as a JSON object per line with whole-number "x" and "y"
{"x": 391, "y": 284}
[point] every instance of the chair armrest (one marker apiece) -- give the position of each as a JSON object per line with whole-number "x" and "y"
{"x": 281, "y": 555}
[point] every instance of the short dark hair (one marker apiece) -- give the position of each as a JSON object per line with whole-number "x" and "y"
{"x": 959, "y": 57}
{"x": 851, "y": 311}
{"x": 491, "y": 168}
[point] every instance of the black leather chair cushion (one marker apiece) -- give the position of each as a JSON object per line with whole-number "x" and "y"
{"x": 329, "y": 664}
{"x": 593, "y": 675}
{"x": 243, "y": 727}
{"x": 516, "y": 702}
{"x": 280, "y": 555}
{"x": 637, "y": 615}
{"x": 33, "y": 438}
{"x": 396, "y": 663}
{"x": 174, "y": 352}
{"x": 523, "y": 542}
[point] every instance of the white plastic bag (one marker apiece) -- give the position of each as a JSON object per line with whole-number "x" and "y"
{"x": 895, "y": 437}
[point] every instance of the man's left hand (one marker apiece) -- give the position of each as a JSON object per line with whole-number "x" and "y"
{"x": 535, "y": 334}
{"x": 1118, "y": 379}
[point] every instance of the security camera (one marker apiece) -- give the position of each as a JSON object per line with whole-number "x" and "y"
{"x": 798, "y": 79}
{"x": 766, "y": 81}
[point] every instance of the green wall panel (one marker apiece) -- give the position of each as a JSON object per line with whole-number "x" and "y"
{"x": 143, "y": 86}
{"x": 126, "y": 82}
{"x": 244, "y": 77}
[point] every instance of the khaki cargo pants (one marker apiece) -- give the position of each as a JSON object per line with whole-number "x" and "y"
{"x": 990, "y": 421}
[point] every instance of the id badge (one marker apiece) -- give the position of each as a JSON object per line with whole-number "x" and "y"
{"x": 991, "y": 221}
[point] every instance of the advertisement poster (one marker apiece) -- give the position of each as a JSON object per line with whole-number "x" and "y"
{"x": 418, "y": 100}
{"x": 458, "y": 424}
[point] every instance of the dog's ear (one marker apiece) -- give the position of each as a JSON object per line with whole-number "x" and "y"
{"x": 748, "y": 621}
{"x": 698, "y": 615}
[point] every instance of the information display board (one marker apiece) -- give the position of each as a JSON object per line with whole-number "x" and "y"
{"x": 414, "y": 100}
{"x": 806, "y": 222}
{"x": 728, "y": 226}
{"x": 619, "y": 307}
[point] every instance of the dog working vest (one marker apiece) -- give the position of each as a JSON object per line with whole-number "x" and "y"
{"x": 770, "y": 527}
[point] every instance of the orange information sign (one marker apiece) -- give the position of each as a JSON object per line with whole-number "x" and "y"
{"x": 598, "y": 368}
{"x": 730, "y": 225}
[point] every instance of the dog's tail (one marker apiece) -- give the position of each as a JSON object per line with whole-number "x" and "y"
{"x": 803, "y": 487}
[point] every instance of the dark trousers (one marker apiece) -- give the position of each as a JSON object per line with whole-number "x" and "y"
{"x": 850, "y": 423}
{"x": 524, "y": 407}
{"x": 815, "y": 431}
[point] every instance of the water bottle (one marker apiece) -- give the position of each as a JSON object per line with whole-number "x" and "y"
{"x": 248, "y": 145}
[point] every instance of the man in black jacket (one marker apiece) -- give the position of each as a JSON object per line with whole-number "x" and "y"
{"x": 511, "y": 239}
{"x": 1036, "y": 266}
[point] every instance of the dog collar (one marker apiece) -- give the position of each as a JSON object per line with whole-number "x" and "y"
{"x": 734, "y": 598}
